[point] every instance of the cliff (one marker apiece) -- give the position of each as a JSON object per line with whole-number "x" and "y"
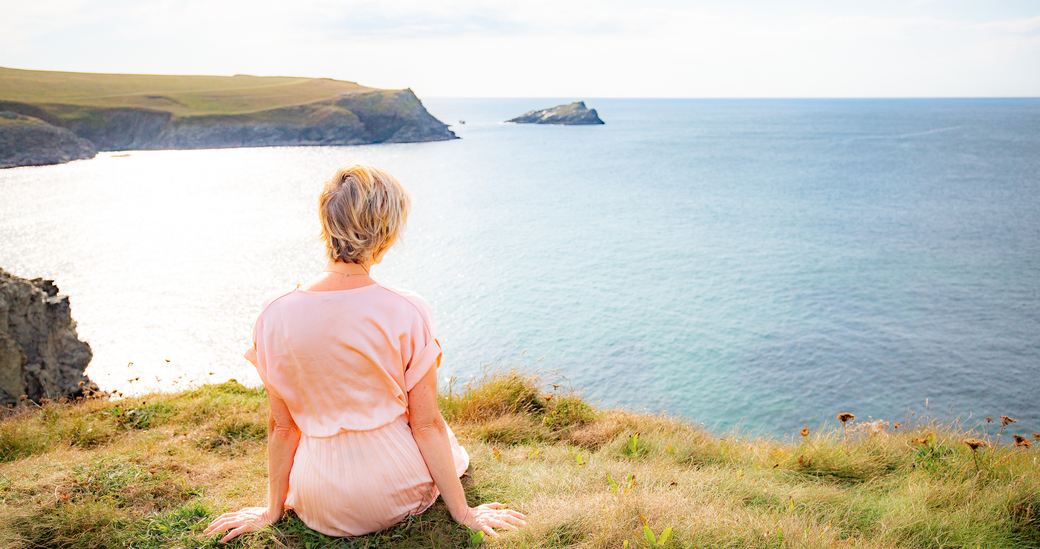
{"x": 40, "y": 353}
{"x": 134, "y": 112}
{"x": 571, "y": 114}
{"x": 28, "y": 141}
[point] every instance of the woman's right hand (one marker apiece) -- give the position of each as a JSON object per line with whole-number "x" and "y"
{"x": 485, "y": 518}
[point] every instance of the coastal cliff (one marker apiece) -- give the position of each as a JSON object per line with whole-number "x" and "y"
{"x": 571, "y": 114}
{"x": 28, "y": 141}
{"x": 41, "y": 355}
{"x": 141, "y": 112}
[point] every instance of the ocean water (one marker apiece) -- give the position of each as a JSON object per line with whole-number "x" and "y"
{"x": 762, "y": 263}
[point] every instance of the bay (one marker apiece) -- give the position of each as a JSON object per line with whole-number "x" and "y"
{"x": 763, "y": 263}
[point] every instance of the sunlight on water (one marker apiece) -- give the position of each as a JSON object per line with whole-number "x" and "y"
{"x": 778, "y": 261}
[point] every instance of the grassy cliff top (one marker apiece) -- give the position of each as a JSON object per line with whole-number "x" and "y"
{"x": 181, "y": 95}
{"x": 152, "y": 471}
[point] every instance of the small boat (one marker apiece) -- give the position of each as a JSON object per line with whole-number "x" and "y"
{"x": 462, "y": 121}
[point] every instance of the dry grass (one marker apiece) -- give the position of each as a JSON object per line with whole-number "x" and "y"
{"x": 151, "y": 471}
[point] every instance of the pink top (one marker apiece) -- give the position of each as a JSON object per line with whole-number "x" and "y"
{"x": 344, "y": 360}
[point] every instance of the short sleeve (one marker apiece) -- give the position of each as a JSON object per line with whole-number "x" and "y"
{"x": 250, "y": 354}
{"x": 421, "y": 363}
{"x": 254, "y": 355}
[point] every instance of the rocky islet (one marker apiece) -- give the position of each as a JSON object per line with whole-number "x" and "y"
{"x": 571, "y": 114}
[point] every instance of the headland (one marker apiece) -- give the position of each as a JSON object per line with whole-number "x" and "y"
{"x": 45, "y": 113}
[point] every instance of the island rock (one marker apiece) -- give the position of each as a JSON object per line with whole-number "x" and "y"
{"x": 41, "y": 355}
{"x": 570, "y": 114}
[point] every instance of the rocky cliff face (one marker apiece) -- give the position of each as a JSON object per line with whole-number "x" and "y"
{"x": 570, "y": 114}
{"x": 354, "y": 119}
{"x": 29, "y": 141}
{"x": 40, "y": 353}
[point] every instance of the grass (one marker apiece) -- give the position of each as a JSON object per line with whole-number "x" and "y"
{"x": 183, "y": 96}
{"x": 152, "y": 471}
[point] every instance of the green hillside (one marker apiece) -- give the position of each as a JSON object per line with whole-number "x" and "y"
{"x": 180, "y": 95}
{"x": 81, "y": 113}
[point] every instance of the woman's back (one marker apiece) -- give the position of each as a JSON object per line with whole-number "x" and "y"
{"x": 343, "y": 362}
{"x": 356, "y": 441}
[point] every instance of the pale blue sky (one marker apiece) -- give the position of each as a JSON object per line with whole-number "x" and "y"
{"x": 542, "y": 48}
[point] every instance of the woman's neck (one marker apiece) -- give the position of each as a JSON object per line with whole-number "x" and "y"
{"x": 340, "y": 275}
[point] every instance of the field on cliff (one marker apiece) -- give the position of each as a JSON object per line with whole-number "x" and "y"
{"x": 152, "y": 471}
{"x": 116, "y": 112}
{"x": 179, "y": 95}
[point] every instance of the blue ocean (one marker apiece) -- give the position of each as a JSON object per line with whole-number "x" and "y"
{"x": 761, "y": 264}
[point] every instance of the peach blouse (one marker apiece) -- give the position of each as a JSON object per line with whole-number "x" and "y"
{"x": 343, "y": 362}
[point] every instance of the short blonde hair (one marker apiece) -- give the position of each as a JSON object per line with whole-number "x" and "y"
{"x": 363, "y": 210}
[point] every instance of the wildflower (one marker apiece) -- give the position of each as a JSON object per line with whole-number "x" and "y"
{"x": 843, "y": 418}
{"x": 1021, "y": 441}
{"x": 989, "y": 420}
{"x": 1036, "y": 436}
{"x": 924, "y": 440}
{"x": 1004, "y": 421}
{"x": 974, "y": 443}
{"x": 897, "y": 425}
{"x": 82, "y": 383}
{"x": 23, "y": 397}
{"x": 805, "y": 431}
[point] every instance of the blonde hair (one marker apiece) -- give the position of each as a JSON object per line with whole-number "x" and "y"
{"x": 363, "y": 210}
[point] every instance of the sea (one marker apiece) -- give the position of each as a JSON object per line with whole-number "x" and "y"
{"x": 751, "y": 265}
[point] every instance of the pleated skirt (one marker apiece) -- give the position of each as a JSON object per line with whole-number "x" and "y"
{"x": 359, "y": 482}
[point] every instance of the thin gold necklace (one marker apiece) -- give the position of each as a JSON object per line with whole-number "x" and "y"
{"x": 346, "y": 274}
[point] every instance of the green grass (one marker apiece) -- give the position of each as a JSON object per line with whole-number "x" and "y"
{"x": 152, "y": 471}
{"x": 183, "y": 96}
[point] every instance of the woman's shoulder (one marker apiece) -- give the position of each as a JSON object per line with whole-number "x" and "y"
{"x": 271, "y": 298}
{"x": 410, "y": 299}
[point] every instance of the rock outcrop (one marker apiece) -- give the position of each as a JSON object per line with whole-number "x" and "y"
{"x": 40, "y": 354}
{"x": 379, "y": 116}
{"x": 29, "y": 141}
{"x": 571, "y": 114}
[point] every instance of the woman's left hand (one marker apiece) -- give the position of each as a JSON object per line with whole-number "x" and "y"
{"x": 247, "y": 520}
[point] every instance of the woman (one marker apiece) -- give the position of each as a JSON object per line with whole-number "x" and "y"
{"x": 356, "y": 442}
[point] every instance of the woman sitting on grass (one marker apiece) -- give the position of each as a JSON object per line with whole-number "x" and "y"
{"x": 356, "y": 442}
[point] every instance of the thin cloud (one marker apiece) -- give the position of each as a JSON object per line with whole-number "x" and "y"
{"x": 546, "y": 47}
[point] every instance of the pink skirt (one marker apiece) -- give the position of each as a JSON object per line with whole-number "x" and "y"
{"x": 359, "y": 482}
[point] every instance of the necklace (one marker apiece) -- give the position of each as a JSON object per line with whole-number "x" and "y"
{"x": 345, "y": 274}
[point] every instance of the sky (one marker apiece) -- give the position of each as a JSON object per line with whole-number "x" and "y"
{"x": 553, "y": 48}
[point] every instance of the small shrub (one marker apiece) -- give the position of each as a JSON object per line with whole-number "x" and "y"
{"x": 498, "y": 394}
{"x": 511, "y": 429}
{"x": 230, "y": 433}
{"x": 568, "y": 412}
{"x": 23, "y": 437}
